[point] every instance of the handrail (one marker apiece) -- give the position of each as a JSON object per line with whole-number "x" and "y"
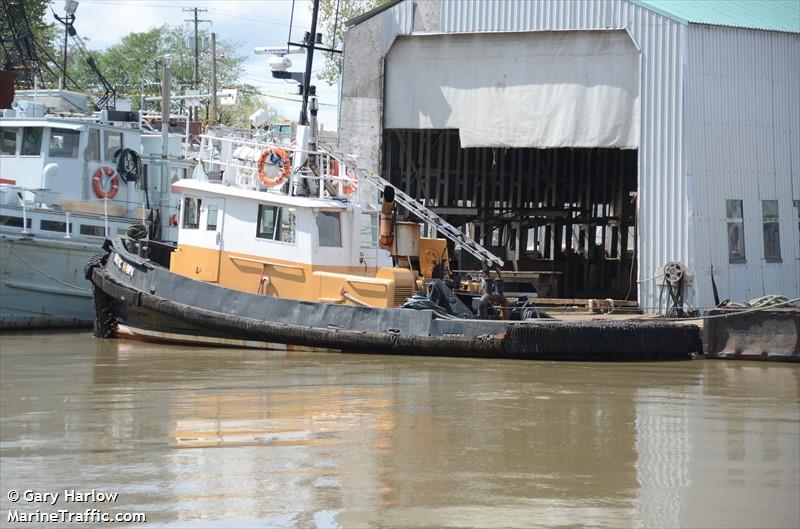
{"x": 265, "y": 263}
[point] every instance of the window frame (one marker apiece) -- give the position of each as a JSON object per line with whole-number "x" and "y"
{"x": 108, "y": 156}
{"x": 185, "y": 209}
{"x": 22, "y": 143}
{"x": 55, "y": 132}
{"x": 738, "y": 221}
{"x": 281, "y": 216}
{"x": 17, "y": 142}
{"x": 771, "y": 231}
{"x": 338, "y": 216}
{"x": 89, "y": 147}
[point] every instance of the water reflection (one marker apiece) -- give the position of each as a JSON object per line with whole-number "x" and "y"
{"x": 229, "y": 438}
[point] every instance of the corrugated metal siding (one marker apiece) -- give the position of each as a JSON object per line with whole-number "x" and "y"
{"x": 742, "y": 132}
{"x": 663, "y": 203}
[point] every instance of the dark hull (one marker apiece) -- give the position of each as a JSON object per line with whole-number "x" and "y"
{"x": 135, "y": 296}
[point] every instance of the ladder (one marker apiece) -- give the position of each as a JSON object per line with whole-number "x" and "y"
{"x": 445, "y": 228}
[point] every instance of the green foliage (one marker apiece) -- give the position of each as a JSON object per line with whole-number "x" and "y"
{"x": 248, "y": 101}
{"x": 42, "y": 32}
{"x": 332, "y": 29}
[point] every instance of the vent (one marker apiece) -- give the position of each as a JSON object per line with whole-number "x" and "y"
{"x": 402, "y": 291}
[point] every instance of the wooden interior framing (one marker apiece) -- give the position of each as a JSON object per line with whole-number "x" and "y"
{"x": 567, "y": 212}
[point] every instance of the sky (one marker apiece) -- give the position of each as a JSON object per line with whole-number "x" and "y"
{"x": 250, "y": 23}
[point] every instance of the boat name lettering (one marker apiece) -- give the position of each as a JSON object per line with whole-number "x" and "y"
{"x": 122, "y": 265}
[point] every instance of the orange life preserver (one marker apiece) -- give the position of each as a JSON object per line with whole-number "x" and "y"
{"x": 349, "y": 185}
{"x": 97, "y": 182}
{"x": 285, "y": 164}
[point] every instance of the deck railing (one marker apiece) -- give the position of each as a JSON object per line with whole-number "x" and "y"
{"x": 327, "y": 175}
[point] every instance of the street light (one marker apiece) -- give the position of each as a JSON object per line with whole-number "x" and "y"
{"x": 70, "y": 6}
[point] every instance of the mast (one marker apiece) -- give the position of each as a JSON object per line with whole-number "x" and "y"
{"x": 310, "y": 47}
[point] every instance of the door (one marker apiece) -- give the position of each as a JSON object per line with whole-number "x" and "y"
{"x": 204, "y": 234}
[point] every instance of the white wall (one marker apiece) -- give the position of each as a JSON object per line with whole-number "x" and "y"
{"x": 743, "y": 142}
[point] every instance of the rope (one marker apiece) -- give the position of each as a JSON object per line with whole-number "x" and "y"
{"x": 57, "y": 280}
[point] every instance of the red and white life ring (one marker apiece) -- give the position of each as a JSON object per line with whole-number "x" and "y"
{"x": 349, "y": 185}
{"x": 97, "y": 182}
{"x": 285, "y": 165}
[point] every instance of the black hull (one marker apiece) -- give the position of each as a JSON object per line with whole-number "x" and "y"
{"x": 135, "y": 296}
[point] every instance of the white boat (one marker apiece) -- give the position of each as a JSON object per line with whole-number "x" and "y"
{"x": 68, "y": 181}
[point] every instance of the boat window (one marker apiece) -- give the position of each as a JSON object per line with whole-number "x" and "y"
{"x": 31, "y": 141}
{"x": 733, "y": 209}
{"x": 287, "y": 225}
{"x": 64, "y": 143}
{"x": 97, "y": 231}
{"x": 330, "y": 229}
{"x": 54, "y": 225}
{"x": 14, "y": 222}
{"x": 276, "y": 224}
{"x": 113, "y": 143}
{"x": 265, "y": 229}
{"x": 211, "y": 218}
{"x": 191, "y": 213}
{"x": 8, "y": 140}
{"x": 93, "y": 145}
{"x": 369, "y": 230}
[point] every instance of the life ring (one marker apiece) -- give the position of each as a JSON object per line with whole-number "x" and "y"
{"x": 349, "y": 185}
{"x": 283, "y": 161}
{"x": 97, "y": 182}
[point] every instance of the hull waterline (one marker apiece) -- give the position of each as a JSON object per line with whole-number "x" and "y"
{"x": 135, "y": 297}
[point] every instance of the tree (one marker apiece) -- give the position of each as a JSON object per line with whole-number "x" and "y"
{"x": 248, "y": 100}
{"x": 135, "y": 62}
{"x": 332, "y": 27}
{"x": 26, "y": 41}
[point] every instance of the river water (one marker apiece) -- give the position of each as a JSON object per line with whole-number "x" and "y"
{"x": 202, "y": 437}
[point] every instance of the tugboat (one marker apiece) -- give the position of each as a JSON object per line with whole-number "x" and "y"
{"x": 297, "y": 247}
{"x": 69, "y": 180}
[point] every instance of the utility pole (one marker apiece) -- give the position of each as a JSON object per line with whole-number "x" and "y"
{"x": 165, "y": 93}
{"x": 196, "y": 50}
{"x": 213, "y": 77}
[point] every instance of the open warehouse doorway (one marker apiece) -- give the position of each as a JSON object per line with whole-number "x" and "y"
{"x": 528, "y": 142}
{"x": 568, "y": 213}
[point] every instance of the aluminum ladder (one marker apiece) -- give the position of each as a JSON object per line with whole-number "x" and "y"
{"x": 445, "y": 228}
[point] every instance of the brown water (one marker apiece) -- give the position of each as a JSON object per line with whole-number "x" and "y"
{"x": 229, "y": 438}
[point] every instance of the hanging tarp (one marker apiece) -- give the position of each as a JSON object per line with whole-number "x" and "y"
{"x": 527, "y": 89}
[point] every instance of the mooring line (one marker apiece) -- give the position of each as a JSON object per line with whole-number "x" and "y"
{"x": 57, "y": 280}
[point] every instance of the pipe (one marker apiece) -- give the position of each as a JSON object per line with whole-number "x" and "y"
{"x": 387, "y": 219}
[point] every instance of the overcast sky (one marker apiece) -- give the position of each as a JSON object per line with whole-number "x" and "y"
{"x": 250, "y": 23}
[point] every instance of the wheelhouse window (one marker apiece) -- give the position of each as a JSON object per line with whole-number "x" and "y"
{"x": 113, "y": 143}
{"x": 8, "y": 140}
{"x": 276, "y": 224}
{"x": 329, "y": 227}
{"x": 31, "y": 141}
{"x": 772, "y": 234}
{"x": 64, "y": 143}
{"x": 369, "y": 230}
{"x": 93, "y": 145}
{"x": 191, "y": 213}
{"x": 735, "y": 216}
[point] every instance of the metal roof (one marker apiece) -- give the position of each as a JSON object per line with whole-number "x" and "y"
{"x": 775, "y": 15}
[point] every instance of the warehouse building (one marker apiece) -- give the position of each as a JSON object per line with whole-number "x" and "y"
{"x": 594, "y": 141}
